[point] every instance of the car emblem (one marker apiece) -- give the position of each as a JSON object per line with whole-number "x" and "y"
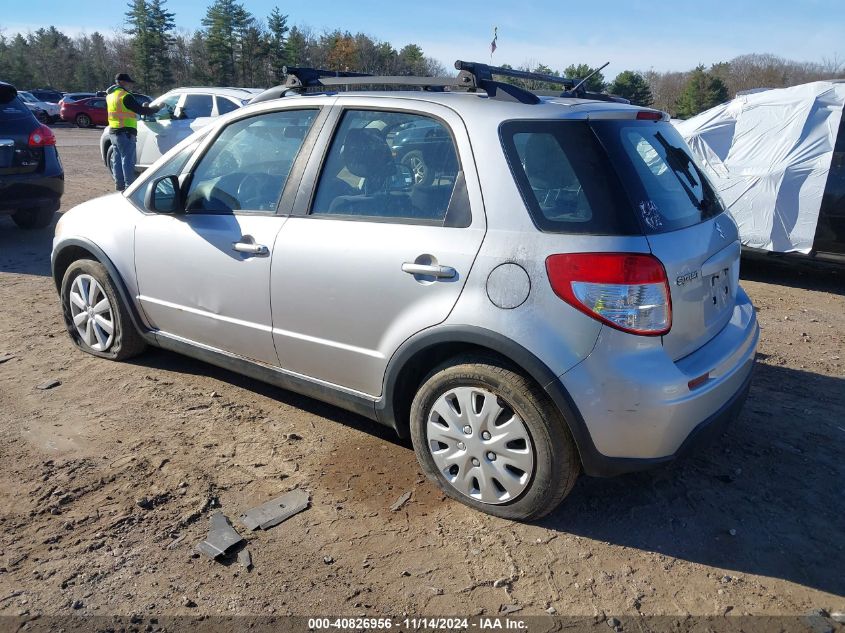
{"x": 682, "y": 279}
{"x": 719, "y": 230}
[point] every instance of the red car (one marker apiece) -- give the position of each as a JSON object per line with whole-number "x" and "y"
{"x": 85, "y": 112}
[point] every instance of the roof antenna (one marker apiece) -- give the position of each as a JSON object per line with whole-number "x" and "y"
{"x": 584, "y": 80}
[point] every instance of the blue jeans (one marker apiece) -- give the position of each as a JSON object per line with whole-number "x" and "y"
{"x": 123, "y": 168}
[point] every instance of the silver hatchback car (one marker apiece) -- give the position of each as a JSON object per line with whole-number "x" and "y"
{"x": 557, "y": 293}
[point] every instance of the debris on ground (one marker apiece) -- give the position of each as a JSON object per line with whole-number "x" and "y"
{"x": 50, "y": 384}
{"x": 245, "y": 559}
{"x": 276, "y": 510}
{"x": 401, "y": 501}
{"x": 221, "y": 537}
{"x": 507, "y": 609}
{"x": 6, "y": 357}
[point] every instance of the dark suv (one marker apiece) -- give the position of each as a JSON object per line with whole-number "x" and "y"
{"x": 31, "y": 174}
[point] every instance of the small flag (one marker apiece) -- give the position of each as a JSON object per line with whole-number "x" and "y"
{"x": 493, "y": 43}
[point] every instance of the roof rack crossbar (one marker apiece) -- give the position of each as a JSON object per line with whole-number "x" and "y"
{"x": 484, "y": 71}
{"x": 297, "y": 78}
{"x": 472, "y": 76}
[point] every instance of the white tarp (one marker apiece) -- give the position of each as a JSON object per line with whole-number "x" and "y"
{"x": 768, "y": 154}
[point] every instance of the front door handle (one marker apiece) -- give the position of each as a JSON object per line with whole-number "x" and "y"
{"x": 440, "y": 272}
{"x": 251, "y": 248}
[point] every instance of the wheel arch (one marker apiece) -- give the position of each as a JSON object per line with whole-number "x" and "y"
{"x": 418, "y": 355}
{"x": 74, "y": 249}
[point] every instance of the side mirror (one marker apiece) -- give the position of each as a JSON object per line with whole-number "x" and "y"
{"x": 165, "y": 196}
{"x": 401, "y": 180}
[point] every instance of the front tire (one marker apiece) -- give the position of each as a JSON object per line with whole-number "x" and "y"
{"x": 83, "y": 120}
{"x": 492, "y": 439}
{"x": 95, "y": 317}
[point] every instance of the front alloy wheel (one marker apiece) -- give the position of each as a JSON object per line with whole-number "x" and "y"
{"x": 95, "y": 317}
{"x": 83, "y": 120}
{"x": 92, "y": 313}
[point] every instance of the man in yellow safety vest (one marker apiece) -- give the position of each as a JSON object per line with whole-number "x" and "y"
{"x": 123, "y": 111}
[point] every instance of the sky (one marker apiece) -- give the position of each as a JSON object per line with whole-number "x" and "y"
{"x": 635, "y": 35}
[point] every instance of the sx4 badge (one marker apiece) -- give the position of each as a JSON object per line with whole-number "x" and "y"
{"x": 682, "y": 279}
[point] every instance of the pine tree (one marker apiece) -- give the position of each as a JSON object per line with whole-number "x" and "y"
{"x": 161, "y": 25}
{"x": 225, "y": 24}
{"x": 632, "y": 86}
{"x": 701, "y": 92}
{"x": 277, "y": 24}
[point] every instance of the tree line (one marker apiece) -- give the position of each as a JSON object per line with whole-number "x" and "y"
{"x": 233, "y": 48}
{"x": 236, "y": 48}
{"x": 685, "y": 94}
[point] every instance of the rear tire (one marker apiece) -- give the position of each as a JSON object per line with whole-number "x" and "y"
{"x": 83, "y": 120}
{"x": 110, "y": 159}
{"x": 95, "y": 317}
{"x": 494, "y": 456}
{"x": 38, "y": 218}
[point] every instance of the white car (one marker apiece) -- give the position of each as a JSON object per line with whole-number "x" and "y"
{"x": 52, "y": 109}
{"x": 186, "y": 111}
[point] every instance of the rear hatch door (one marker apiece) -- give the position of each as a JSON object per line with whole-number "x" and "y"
{"x": 685, "y": 223}
{"x": 16, "y": 124}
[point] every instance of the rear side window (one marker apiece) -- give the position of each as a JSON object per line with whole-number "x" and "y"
{"x": 197, "y": 106}
{"x": 224, "y": 105}
{"x": 564, "y": 177}
{"x": 393, "y": 166}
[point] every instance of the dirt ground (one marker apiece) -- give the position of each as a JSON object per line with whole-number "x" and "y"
{"x": 106, "y": 482}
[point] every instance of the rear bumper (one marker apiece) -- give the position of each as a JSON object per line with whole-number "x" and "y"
{"x": 30, "y": 191}
{"x": 631, "y": 407}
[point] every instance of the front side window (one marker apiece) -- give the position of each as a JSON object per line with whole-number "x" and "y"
{"x": 169, "y": 108}
{"x": 390, "y": 165}
{"x": 247, "y": 165}
{"x": 171, "y": 167}
{"x": 197, "y": 106}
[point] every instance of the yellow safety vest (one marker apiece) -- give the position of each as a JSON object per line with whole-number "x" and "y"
{"x": 119, "y": 115}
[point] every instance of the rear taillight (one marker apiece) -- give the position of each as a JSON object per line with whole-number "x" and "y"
{"x": 627, "y": 291}
{"x": 41, "y": 137}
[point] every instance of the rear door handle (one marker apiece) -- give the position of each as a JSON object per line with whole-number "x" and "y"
{"x": 440, "y": 272}
{"x": 250, "y": 248}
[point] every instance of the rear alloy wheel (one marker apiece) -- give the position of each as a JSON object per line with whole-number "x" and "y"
{"x": 419, "y": 168}
{"x": 38, "y": 218}
{"x": 96, "y": 319}
{"x": 492, "y": 439}
{"x": 83, "y": 120}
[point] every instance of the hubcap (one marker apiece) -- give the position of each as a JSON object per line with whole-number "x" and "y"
{"x": 494, "y": 461}
{"x": 91, "y": 313}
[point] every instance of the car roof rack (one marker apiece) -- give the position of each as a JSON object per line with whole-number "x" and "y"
{"x": 472, "y": 76}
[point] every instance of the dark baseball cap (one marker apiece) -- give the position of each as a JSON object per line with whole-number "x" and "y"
{"x": 124, "y": 77}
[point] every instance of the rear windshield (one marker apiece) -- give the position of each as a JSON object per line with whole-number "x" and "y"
{"x": 14, "y": 109}
{"x": 618, "y": 177}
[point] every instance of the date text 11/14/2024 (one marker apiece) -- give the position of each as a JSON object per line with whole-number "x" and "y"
{"x": 416, "y": 624}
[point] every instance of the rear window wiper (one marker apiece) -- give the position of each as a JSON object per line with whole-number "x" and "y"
{"x": 680, "y": 163}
